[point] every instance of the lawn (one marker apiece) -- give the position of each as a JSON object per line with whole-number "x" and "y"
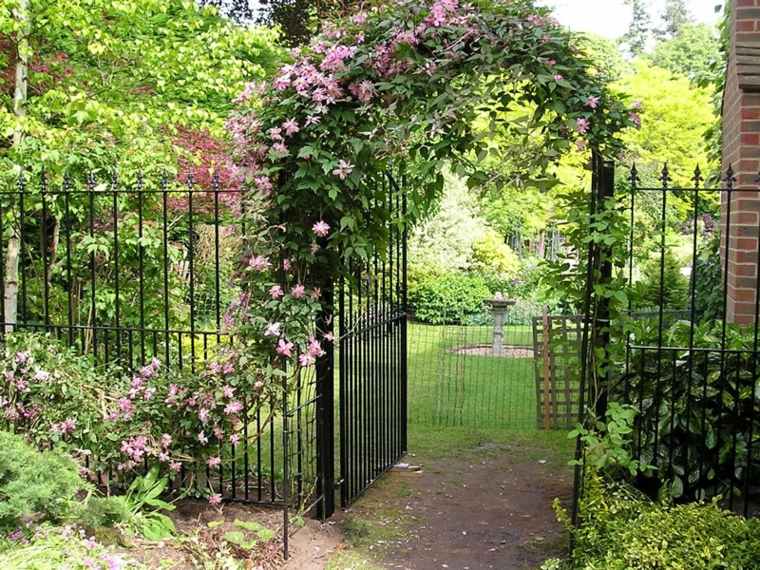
{"x": 450, "y": 388}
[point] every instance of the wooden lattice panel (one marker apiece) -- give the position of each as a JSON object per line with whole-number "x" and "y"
{"x": 557, "y": 348}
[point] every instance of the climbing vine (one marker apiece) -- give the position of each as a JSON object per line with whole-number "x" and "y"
{"x": 389, "y": 84}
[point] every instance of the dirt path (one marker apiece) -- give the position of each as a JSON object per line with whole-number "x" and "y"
{"x": 488, "y": 507}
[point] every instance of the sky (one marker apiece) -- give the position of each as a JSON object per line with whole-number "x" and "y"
{"x": 610, "y": 18}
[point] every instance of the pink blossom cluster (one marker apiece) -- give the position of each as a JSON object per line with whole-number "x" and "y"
{"x": 321, "y": 87}
{"x": 65, "y": 427}
{"x": 335, "y": 58}
{"x": 135, "y": 448}
{"x": 363, "y": 90}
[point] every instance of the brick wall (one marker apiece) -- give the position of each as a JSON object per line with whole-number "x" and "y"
{"x": 741, "y": 151}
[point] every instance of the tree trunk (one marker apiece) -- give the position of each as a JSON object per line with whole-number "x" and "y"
{"x": 13, "y": 250}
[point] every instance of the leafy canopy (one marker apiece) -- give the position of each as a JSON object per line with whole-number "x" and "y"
{"x": 110, "y": 81}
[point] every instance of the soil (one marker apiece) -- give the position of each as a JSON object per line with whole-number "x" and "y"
{"x": 486, "y": 508}
{"x": 487, "y": 350}
{"x": 492, "y": 510}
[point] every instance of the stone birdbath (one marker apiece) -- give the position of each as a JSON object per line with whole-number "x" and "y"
{"x": 499, "y": 306}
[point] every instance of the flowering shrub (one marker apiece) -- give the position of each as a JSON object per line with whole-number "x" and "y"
{"x": 121, "y": 424}
{"x": 395, "y": 82}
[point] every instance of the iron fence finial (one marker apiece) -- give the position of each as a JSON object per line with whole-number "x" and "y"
{"x": 665, "y": 175}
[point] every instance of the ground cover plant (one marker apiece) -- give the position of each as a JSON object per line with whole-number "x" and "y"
{"x": 622, "y": 529}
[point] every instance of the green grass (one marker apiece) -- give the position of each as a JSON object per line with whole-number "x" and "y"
{"x": 449, "y": 388}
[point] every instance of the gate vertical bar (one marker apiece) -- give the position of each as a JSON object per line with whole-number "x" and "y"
{"x": 325, "y": 407}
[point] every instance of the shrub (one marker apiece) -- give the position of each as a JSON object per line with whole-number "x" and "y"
{"x": 53, "y": 548}
{"x": 451, "y": 298}
{"x": 125, "y": 422}
{"x": 49, "y": 393}
{"x": 490, "y": 255}
{"x": 622, "y": 530}
{"x": 675, "y": 291}
{"x": 35, "y": 484}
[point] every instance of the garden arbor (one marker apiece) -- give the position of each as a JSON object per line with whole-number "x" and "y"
{"x": 379, "y": 89}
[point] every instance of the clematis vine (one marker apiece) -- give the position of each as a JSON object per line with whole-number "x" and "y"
{"x": 388, "y": 84}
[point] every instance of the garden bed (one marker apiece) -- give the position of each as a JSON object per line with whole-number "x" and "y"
{"x": 487, "y": 350}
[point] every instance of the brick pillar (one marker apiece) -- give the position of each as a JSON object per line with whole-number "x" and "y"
{"x": 741, "y": 151}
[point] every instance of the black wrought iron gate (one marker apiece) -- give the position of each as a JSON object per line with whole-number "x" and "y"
{"x": 372, "y": 355}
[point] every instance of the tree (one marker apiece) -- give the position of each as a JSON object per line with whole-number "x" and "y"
{"x": 102, "y": 85}
{"x": 675, "y": 17}
{"x": 675, "y": 115}
{"x": 692, "y": 52}
{"x": 638, "y": 33}
{"x": 299, "y": 20}
{"x": 22, "y": 19}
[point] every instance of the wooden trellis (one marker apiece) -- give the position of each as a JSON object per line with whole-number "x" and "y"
{"x": 557, "y": 349}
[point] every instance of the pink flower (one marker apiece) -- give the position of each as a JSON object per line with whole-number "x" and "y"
{"x": 290, "y": 127}
{"x": 275, "y": 134}
{"x": 558, "y": 77}
{"x": 234, "y": 439}
{"x": 364, "y": 91}
{"x": 276, "y": 292}
{"x": 287, "y": 264}
{"x": 259, "y": 263}
{"x": 306, "y": 360}
{"x": 329, "y": 337}
{"x": 175, "y": 466}
{"x": 582, "y": 125}
{"x": 41, "y": 376}
{"x": 228, "y": 392}
{"x": 298, "y": 291}
{"x": 359, "y": 19}
{"x": 114, "y": 562}
{"x": 336, "y": 56}
{"x": 636, "y": 105}
{"x": 233, "y": 408}
{"x": 166, "y": 440}
{"x": 214, "y": 461}
{"x": 127, "y": 407}
{"x": 321, "y": 228}
{"x": 203, "y": 415}
{"x": 280, "y": 149}
{"x": 551, "y": 62}
{"x": 592, "y": 102}
{"x": 273, "y": 329}
{"x": 316, "y": 293}
{"x": 312, "y": 120}
{"x": 215, "y": 500}
{"x": 202, "y": 438}
{"x": 344, "y": 169}
{"x": 285, "y": 348}
{"x": 315, "y": 349}
{"x": 635, "y": 119}
{"x": 282, "y": 82}
{"x": 263, "y": 183}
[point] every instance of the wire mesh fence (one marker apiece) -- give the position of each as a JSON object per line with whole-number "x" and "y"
{"x": 457, "y": 379}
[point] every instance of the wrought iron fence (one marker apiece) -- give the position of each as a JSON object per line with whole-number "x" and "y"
{"x": 127, "y": 270}
{"x": 672, "y": 351}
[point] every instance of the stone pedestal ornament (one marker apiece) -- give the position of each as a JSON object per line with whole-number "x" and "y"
{"x": 499, "y": 306}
